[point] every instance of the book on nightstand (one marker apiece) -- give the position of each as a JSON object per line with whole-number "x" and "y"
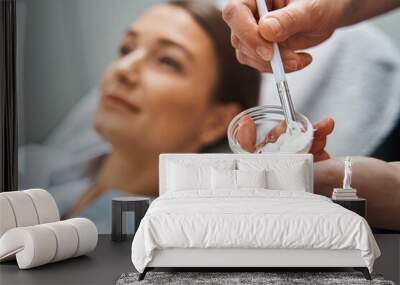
{"x": 344, "y": 194}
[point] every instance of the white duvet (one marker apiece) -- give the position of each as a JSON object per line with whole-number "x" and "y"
{"x": 253, "y": 218}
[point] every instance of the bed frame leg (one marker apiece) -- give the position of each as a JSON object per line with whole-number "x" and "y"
{"x": 143, "y": 274}
{"x": 364, "y": 271}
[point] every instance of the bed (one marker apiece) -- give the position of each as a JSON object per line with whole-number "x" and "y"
{"x": 247, "y": 211}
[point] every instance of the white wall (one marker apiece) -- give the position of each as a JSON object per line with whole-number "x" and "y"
{"x": 66, "y": 47}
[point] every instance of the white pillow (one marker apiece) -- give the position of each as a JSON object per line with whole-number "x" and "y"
{"x": 293, "y": 178}
{"x": 181, "y": 177}
{"x": 282, "y": 174}
{"x": 236, "y": 179}
{"x": 251, "y": 178}
{"x": 193, "y": 174}
{"x": 204, "y": 162}
{"x": 223, "y": 179}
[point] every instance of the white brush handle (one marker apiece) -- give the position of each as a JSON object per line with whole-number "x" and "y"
{"x": 276, "y": 62}
{"x": 280, "y": 77}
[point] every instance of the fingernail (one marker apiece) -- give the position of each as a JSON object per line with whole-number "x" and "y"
{"x": 291, "y": 64}
{"x": 264, "y": 53}
{"x": 274, "y": 25}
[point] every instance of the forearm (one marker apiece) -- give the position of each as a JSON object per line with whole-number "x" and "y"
{"x": 375, "y": 180}
{"x": 360, "y": 10}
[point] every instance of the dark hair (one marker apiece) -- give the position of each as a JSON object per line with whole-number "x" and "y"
{"x": 236, "y": 82}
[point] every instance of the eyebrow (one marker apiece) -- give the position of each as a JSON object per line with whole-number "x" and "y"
{"x": 164, "y": 42}
{"x": 168, "y": 42}
{"x": 131, "y": 33}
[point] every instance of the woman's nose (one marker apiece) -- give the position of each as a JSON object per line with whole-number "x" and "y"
{"x": 128, "y": 67}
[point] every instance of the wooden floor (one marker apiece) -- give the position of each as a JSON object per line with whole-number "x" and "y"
{"x": 106, "y": 264}
{"x": 389, "y": 262}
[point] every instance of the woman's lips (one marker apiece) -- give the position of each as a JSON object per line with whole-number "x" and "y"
{"x": 112, "y": 101}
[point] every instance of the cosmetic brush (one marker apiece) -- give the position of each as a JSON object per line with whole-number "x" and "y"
{"x": 280, "y": 78}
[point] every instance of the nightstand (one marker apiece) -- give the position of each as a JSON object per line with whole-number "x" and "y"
{"x": 358, "y": 206}
{"x": 122, "y": 205}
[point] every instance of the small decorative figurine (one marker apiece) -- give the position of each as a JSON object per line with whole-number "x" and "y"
{"x": 347, "y": 173}
{"x": 347, "y": 192}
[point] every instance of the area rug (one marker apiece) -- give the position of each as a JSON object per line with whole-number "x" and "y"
{"x": 243, "y": 278}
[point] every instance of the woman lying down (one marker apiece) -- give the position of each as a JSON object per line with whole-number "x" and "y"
{"x": 175, "y": 87}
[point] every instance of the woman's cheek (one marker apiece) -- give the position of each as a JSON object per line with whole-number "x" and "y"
{"x": 175, "y": 110}
{"x": 173, "y": 95}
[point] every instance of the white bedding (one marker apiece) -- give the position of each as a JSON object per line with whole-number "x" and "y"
{"x": 251, "y": 218}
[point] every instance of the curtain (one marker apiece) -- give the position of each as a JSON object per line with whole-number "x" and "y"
{"x": 8, "y": 108}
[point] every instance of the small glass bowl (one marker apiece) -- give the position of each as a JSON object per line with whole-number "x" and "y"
{"x": 265, "y": 118}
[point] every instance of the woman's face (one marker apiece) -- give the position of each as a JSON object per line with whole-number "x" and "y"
{"x": 156, "y": 96}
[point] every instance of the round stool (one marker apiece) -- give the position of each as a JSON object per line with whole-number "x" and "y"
{"x": 120, "y": 206}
